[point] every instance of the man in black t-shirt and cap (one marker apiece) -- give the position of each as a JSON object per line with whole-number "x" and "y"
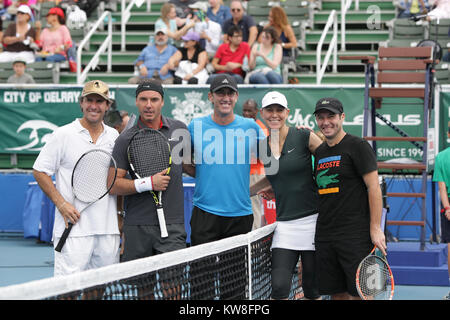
{"x": 350, "y": 203}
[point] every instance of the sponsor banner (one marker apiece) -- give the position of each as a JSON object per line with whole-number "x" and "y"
{"x": 444, "y": 120}
{"x": 29, "y": 115}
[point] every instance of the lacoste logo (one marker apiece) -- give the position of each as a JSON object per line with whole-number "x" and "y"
{"x": 325, "y": 102}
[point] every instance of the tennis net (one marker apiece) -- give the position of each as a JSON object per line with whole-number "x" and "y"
{"x": 237, "y": 268}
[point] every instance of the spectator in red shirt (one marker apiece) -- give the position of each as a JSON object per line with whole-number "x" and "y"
{"x": 230, "y": 56}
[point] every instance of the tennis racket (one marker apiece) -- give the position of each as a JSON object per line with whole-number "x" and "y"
{"x": 148, "y": 154}
{"x": 374, "y": 279}
{"x": 90, "y": 182}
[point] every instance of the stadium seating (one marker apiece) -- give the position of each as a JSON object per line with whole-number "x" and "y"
{"x": 42, "y": 72}
{"x": 405, "y": 33}
{"x": 363, "y": 37}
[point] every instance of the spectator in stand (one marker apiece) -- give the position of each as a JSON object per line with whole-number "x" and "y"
{"x": 230, "y": 56}
{"x": 279, "y": 20}
{"x": 409, "y": 8}
{"x": 183, "y": 12}
{"x": 243, "y": 21}
{"x": 210, "y": 32}
{"x": 19, "y": 38}
{"x": 218, "y": 12}
{"x": 167, "y": 21}
{"x": 189, "y": 61}
{"x": 55, "y": 40}
{"x": 88, "y": 6}
{"x": 153, "y": 61}
{"x": 265, "y": 59}
{"x": 440, "y": 10}
{"x": 20, "y": 76}
{"x": 11, "y": 8}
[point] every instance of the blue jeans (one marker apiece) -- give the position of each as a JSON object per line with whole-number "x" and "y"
{"x": 237, "y": 77}
{"x": 52, "y": 58}
{"x": 270, "y": 77}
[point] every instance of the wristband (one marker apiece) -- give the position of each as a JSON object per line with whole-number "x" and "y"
{"x": 144, "y": 184}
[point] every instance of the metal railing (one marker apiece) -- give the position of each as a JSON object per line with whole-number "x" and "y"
{"x": 125, "y": 16}
{"x": 345, "y": 5}
{"x": 107, "y": 44}
{"x": 332, "y": 48}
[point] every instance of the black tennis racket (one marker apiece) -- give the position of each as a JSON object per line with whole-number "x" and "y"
{"x": 374, "y": 279}
{"x": 148, "y": 154}
{"x": 90, "y": 182}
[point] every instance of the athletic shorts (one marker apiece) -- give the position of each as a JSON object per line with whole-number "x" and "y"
{"x": 445, "y": 229}
{"x": 337, "y": 262}
{"x": 207, "y": 227}
{"x": 144, "y": 240}
{"x": 84, "y": 253}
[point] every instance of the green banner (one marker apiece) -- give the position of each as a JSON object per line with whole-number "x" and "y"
{"x": 29, "y": 115}
{"x": 444, "y": 119}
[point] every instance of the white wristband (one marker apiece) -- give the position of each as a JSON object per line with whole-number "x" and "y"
{"x": 144, "y": 184}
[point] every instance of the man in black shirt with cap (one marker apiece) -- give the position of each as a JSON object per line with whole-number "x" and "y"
{"x": 350, "y": 203}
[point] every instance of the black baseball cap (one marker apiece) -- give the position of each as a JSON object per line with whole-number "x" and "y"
{"x": 223, "y": 80}
{"x": 151, "y": 85}
{"x": 330, "y": 104}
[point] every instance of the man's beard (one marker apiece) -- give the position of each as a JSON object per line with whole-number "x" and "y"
{"x": 160, "y": 43}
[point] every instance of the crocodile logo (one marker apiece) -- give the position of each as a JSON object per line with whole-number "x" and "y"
{"x": 323, "y": 181}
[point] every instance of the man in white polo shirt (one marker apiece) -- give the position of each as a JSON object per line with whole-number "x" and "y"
{"x": 94, "y": 240}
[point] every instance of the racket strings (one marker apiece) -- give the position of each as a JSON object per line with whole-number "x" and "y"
{"x": 90, "y": 176}
{"x": 375, "y": 279}
{"x": 149, "y": 153}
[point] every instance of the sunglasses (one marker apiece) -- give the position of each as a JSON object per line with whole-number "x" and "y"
{"x": 236, "y": 10}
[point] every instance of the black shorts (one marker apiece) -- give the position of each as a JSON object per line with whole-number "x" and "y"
{"x": 145, "y": 240}
{"x": 337, "y": 262}
{"x": 445, "y": 229}
{"x": 207, "y": 227}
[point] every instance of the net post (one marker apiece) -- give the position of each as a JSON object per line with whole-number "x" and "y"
{"x": 249, "y": 257}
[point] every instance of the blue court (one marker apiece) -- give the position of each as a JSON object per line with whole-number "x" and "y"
{"x": 25, "y": 260}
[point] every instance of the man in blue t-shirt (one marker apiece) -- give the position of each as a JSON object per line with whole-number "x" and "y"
{"x": 224, "y": 146}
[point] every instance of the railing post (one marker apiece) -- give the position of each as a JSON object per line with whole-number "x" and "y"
{"x": 335, "y": 34}
{"x": 123, "y": 22}
{"x": 106, "y": 45}
{"x": 109, "y": 62}
{"x": 332, "y": 49}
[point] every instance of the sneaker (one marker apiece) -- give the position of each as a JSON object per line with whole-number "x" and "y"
{"x": 447, "y": 297}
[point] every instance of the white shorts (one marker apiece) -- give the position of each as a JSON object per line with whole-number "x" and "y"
{"x": 296, "y": 234}
{"x": 84, "y": 253}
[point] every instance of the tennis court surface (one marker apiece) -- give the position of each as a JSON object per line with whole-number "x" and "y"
{"x": 241, "y": 270}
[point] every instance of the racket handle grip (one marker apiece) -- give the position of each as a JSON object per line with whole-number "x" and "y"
{"x": 63, "y": 239}
{"x": 162, "y": 222}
